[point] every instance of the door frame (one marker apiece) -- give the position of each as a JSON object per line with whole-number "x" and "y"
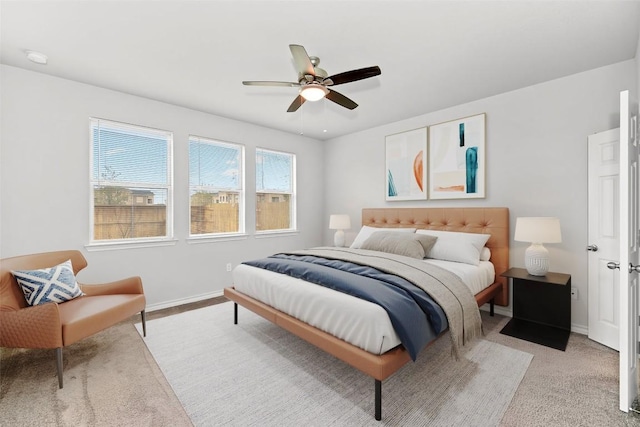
{"x": 628, "y": 256}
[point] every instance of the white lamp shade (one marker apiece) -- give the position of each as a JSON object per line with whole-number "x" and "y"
{"x": 313, "y": 92}
{"x": 538, "y": 230}
{"x": 339, "y": 222}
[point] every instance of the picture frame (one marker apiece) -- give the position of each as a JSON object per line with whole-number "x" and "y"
{"x": 406, "y": 165}
{"x": 457, "y": 159}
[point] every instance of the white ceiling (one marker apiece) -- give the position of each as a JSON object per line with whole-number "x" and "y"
{"x": 433, "y": 54}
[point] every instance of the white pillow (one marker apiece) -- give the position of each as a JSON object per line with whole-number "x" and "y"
{"x": 456, "y": 246}
{"x": 485, "y": 254}
{"x": 366, "y": 232}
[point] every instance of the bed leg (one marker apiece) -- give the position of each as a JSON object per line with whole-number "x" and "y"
{"x": 492, "y": 304}
{"x": 235, "y": 313}
{"x": 378, "y": 400}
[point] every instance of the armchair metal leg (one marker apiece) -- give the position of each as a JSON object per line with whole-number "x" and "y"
{"x": 59, "y": 365}
{"x": 144, "y": 323}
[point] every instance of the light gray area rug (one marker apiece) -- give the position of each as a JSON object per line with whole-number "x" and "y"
{"x": 256, "y": 373}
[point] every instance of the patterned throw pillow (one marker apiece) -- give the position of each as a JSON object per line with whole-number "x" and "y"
{"x": 55, "y": 284}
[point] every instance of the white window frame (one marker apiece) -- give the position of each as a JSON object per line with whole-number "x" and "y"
{"x": 168, "y": 238}
{"x": 293, "y": 195}
{"x": 241, "y": 233}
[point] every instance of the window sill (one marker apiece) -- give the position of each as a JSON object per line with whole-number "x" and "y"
{"x": 275, "y": 233}
{"x": 111, "y": 246}
{"x": 216, "y": 238}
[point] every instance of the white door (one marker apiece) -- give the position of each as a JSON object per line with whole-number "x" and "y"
{"x": 628, "y": 264}
{"x": 604, "y": 243}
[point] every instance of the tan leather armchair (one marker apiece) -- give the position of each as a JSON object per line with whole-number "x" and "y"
{"x": 53, "y": 325}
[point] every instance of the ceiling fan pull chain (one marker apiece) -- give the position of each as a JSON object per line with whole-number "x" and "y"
{"x": 324, "y": 115}
{"x": 301, "y": 123}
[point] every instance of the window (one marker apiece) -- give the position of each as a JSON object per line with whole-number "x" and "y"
{"x": 216, "y": 187}
{"x": 131, "y": 181}
{"x": 275, "y": 190}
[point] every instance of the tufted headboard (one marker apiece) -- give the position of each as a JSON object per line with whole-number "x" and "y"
{"x": 494, "y": 221}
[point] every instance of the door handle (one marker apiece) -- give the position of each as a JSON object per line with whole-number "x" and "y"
{"x": 592, "y": 248}
{"x": 614, "y": 265}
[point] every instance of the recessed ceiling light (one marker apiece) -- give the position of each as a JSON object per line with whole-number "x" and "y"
{"x": 37, "y": 57}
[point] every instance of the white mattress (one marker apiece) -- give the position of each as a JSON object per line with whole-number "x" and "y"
{"x": 359, "y": 322}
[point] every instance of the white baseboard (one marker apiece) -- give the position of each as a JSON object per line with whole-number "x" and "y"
{"x": 181, "y": 301}
{"x": 579, "y": 329}
{"x": 503, "y": 311}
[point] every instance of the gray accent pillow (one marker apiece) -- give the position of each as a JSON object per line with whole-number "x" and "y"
{"x": 366, "y": 232}
{"x": 407, "y": 244}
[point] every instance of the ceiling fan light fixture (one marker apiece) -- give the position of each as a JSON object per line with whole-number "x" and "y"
{"x": 313, "y": 92}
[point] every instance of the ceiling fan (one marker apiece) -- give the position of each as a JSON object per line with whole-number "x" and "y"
{"x": 314, "y": 82}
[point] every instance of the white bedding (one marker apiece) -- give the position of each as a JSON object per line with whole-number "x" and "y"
{"x": 359, "y": 322}
{"x": 476, "y": 277}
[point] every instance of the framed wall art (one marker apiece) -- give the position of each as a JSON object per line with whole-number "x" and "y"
{"x": 457, "y": 159}
{"x": 406, "y": 165}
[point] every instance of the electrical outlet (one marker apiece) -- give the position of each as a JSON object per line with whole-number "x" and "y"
{"x": 229, "y": 266}
{"x": 574, "y": 293}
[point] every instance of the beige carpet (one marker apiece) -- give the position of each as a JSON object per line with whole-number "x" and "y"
{"x": 255, "y": 373}
{"x": 110, "y": 379}
{"x": 576, "y": 387}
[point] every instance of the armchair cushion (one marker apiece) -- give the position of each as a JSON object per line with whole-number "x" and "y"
{"x": 55, "y": 284}
{"x": 88, "y": 315}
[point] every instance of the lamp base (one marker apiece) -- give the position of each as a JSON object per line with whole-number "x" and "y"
{"x": 338, "y": 239}
{"x": 536, "y": 259}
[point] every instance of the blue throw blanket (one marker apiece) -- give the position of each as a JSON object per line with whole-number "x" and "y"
{"x": 416, "y": 318}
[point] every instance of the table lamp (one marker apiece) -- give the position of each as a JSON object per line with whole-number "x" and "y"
{"x": 340, "y": 223}
{"x": 537, "y": 230}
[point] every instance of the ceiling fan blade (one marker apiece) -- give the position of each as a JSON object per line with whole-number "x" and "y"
{"x": 354, "y": 75}
{"x": 297, "y": 103}
{"x": 302, "y": 61}
{"x": 267, "y": 83}
{"x": 340, "y": 99}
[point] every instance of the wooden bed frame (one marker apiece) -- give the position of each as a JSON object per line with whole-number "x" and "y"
{"x": 494, "y": 221}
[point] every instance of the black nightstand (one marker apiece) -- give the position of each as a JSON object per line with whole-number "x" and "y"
{"x": 541, "y": 308}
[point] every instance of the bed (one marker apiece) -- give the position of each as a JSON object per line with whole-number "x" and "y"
{"x": 491, "y": 221}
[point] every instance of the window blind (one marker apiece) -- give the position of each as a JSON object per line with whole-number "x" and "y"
{"x": 131, "y": 183}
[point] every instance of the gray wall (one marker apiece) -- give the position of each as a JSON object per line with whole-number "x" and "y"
{"x": 536, "y": 150}
{"x": 44, "y": 184}
{"x": 536, "y": 165}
